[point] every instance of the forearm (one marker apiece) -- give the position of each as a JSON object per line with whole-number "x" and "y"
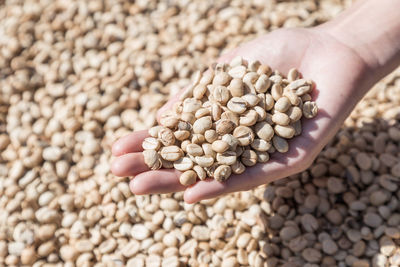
{"x": 372, "y": 29}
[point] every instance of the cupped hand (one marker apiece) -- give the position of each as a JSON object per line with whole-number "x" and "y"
{"x": 339, "y": 74}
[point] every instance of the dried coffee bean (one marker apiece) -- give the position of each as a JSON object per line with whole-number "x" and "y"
{"x": 244, "y": 135}
{"x": 152, "y": 160}
{"x": 220, "y": 146}
{"x": 249, "y": 157}
{"x": 188, "y": 178}
{"x": 310, "y": 109}
{"x": 151, "y": 143}
{"x": 264, "y": 130}
{"x": 227, "y": 158}
{"x": 171, "y": 153}
{"x": 237, "y": 105}
{"x": 183, "y": 164}
{"x": 222, "y": 173}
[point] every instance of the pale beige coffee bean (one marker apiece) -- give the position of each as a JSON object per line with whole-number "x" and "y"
{"x": 302, "y": 90}
{"x": 222, "y": 173}
{"x": 236, "y": 87}
{"x": 210, "y": 135}
{"x": 248, "y": 118}
{"x": 297, "y": 127}
{"x": 261, "y": 145}
{"x": 194, "y": 150}
{"x": 282, "y": 104}
{"x": 264, "y": 130}
{"x": 306, "y": 97}
{"x": 261, "y": 113}
{"x": 284, "y": 131}
{"x": 202, "y": 112}
{"x": 216, "y": 111}
{"x": 280, "y": 118}
{"x": 171, "y": 153}
{"x": 264, "y": 69}
{"x": 249, "y": 80}
{"x": 153, "y": 131}
{"x": 231, "y": 116}
{"x": 294, "y": 114}
{"x": 231, "y": 140}
{"x": 293, "y": 74}
{"x": 236, "y": 61}
{"x": 220, "y": 146}
{"x": 237, "y": 72}
{"x": 310, "y": 109}
{"x": 269, "y": 102}
{"x": 227, "y": 157}
{"x": 204, "y": 161}
{"x": 224, "y": 126}
{"x": 208, "y": 151}
{"x": 237, "y": 105}
{"x": 177, "y": 108}
{"x": 191, "y": 105}
{"x": 276, "y": 91}
{"x": 166, "y": 136}
{"x": 297, "y": 83}
{"x": 199, "y": 91}
{"x": 152, "y": 159}
{"x": 198, "y": 139}
{"x": 293, "y": 98}
{"x": 188, "y": 178}
{"x": 253, "y": 65}
{"x": 244, "y": 135}
{"x": 221, "y": 94}
{"x": 221, "y": 78}
{"x": 201, "y": 173}
{"x": 186, "y": 126}
{"x": 207, "y": 77}
{"x": 202, "y": 124}
{"x": 280, "y": 144}
{"x": 183, "y": 164}
{"x": 249, "y": 157}
{"x": 263, "y": 83}
{"x": 184, "y": 144}
{"x": 188, "y": 117}
{"x": 261, "y": 102}
{"x": 181, "y": 135}
{"x": 262, "y": 157}
{"x": 169, "y": 120}
{"x": 151, "y": 143}
{"x": 238, "y": 167}
{"x": 251, "y": 99}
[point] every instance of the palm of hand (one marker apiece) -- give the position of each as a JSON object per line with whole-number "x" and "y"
{"x": 335, "y": 69}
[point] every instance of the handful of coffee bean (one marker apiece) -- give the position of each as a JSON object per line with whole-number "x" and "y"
{"x": 231, "y": 117}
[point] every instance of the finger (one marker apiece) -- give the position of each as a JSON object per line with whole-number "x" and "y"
{"x": 129, "y": 143}
{"x": 129, "y": 165}
{"x": 156, "y": 182}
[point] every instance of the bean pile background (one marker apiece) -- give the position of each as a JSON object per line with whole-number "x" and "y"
{"x": 76, "y": 75}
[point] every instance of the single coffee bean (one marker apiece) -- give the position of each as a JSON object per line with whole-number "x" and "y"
{"x": 207, "y": 77}
{"x": 171, "y": 153}
{"x": 181, "y": 135}
{"x": 188, "y": 117}
{"x": 183, "y": 164}
{"x": 202, "y": 124}
{"x": 284, "y": 131}
{"x": 297, "y": 83}
{"x": 230, "y": 116}
{"x": 220, "y": 146}
{"x": 166, "y": 164}
{"x": 239, "y": 151}
{"x": 152, "y": 159}
{"x": 263, "y": 83}
{"x": 237, "y": 105}
{"x": 204, "y": 161}
{"x": 202, "y": 112}
{"x": 280, "y": 118}
{"x": 191, "y": 105}
{"x": 262, "y": 157}
{"x": 248, "y": 118}
{"x": 194, "y": 150}
{"x": 198, "y": 139}
{"x": 244, "y": 135}
{"x": 261, "y": 145}
{"x": 280, "y": 144}
{"x": 186, "y": 126}
{"x": 210, "y": 135}
{"x": 237, "y": 72}
{"x": 227, "y": 157}
{"x": 169, "y": 120}
{"x": 310, "y": 109}
{"x": 238, "y": 167}
{"x": 184, "y": 145}
{"x": 293, "y": 74}
{"x": 264, "y": 130}
{"x": 264, "y": 69}
{"x": 302, "y": 90}
{"x": 208, "y": 151}
{"x": 188, "y": 178}
{"x": 276, "y": 92}
{"x": 221, "y": 94}
{"x": 151, "y": 143}
{"x": 201, "y": 173}
{"x": 231, "y": 140}
{"x": 236, "y": 87}
{"x": 221, "y": 78}
{"x": 261, "y": 113}
{"x": 249, "y": 157}
{"x": 282, "y": 104}
{"x": 294, "y": 114}
{"x": 269, "y": 102}
{"x": 224, "y": 126}
{"x": 293, "y": 98}
{"x": 222, "y": 173}
{"x": 166, "y": 136}
{"x": 199, "y": 91}
{"x": 153, "y": 131}
{"x": 251, "y": 99}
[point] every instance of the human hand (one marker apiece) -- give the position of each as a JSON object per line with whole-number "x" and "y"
{"x": 338, "y": 73}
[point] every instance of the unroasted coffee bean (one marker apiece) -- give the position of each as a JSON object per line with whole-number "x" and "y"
{"x": 282, "y": 104}
{"x": 220, "y": 146}
{"x": 284, "y": 131}
{"x": 280, "y": 144}
{"x": 238, "y": 167}
{"x": 261, "y": 145}
{"x": 152, "y": 160}
{"x": 262, "y": 156}
{"x": 202, "y": 124}
{"x": 248, "y": 118}
{"x": 264, "y": 130}
{"x": 171, "y": 153}
{"x": 183, "y": 164}
{"x": 244, "y": 135}
{"x": 224, "y": 126}
{"x": 221, "y": 94}
{"x": 166, "y": 136}
{"x": 281, "y": 118}
{"x": 237, "y": 105}
{"x": 201, "y": 173}
{"x": 210, "y": 135}
{"x": 249, "y": 157}
{"x": 191, "y": 105}
{"x": 310, "y": 109}
{"x": 194, "y": 150}
{"x": 227, "y": 158}
{"x": 151, "y": 143}
{"x": 188, "y": 177}
{"x": 222, "y": 173}
{"x": 236, "y": 87}
{"x": 199, "y": 91}
{"x": 204, "y": 161}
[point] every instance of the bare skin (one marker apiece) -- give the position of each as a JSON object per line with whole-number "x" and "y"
{"x": 342, "y": 75}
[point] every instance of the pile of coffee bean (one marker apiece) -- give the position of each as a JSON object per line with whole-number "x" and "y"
{"x": 230, "y": 117}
